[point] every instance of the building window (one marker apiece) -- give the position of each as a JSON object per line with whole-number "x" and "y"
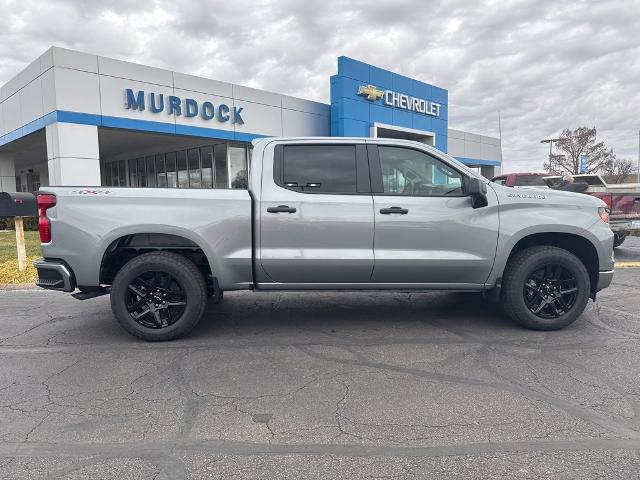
{"x": 195, "y": 174}
{"x": 151, "y": 171}
{"x": 221, "y": 174}
{"x": 142, "y": 173}
{"x": 238, "y": 168}
{"x": 220, "y": 165}
{"x": 161, "y": 170}
{"x": 206, "y": 158}
{"x": 122, "y": 173}
{"x": 172, "y": 177}
{"x": 183, "y": 172}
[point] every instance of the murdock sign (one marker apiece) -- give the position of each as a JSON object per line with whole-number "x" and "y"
{"x": 187, "y": 107}
{"x": 400, "y": 100}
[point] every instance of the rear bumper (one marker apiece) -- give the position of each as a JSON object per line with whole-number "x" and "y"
{"x": 625, "y": 226}
{"x": 54, "y": 275}
{"x": 604, "y": 280}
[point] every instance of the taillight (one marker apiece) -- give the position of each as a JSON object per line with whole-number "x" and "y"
{"x": 604, "y": 214}
{"x": 608, "y": 199}
{"x": 45, "y": 202}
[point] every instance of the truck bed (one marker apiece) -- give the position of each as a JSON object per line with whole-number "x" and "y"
{"x": 86, "y": 221}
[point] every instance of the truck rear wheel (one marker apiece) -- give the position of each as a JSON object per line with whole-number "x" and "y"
{"x": 545, "y": 288}
{"x": 618, "y": 239}
{"x": 158, "y": 296}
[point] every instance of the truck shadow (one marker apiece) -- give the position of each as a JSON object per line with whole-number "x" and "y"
{"x": 354, "y": 313}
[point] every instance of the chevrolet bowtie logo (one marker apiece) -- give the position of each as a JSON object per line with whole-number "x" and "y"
{"x": 370, "y": 92}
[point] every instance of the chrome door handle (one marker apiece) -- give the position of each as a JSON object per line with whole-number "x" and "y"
{"x": 281, "y": 209}
{"x": 392, "y": 210}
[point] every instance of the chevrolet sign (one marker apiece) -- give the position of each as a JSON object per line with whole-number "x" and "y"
{"x": 400, "y": 100}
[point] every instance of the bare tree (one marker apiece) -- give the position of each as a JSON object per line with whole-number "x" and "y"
{"x": 618, "y": 168}
{"x": 572, "y": 144}
{"x": 556, "y": 166}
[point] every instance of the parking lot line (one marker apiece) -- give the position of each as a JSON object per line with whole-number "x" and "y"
{"x": 627, "y": 264}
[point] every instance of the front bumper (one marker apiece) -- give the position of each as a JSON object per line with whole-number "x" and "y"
{"x": 604, "y": 280}
{"x": 54, "y": 275}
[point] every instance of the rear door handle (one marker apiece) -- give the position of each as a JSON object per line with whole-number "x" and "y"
{"x": 392, "y": 210}
{"x": 281, "y": 209}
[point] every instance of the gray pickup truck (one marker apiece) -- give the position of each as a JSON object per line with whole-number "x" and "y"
{"x": 326, "y": 213}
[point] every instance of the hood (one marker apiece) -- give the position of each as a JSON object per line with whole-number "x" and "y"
{"x": 545, "y": 196}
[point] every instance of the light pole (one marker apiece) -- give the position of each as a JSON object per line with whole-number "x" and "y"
{"x": 550, "y": 142}
{"x": 638, "y": 156}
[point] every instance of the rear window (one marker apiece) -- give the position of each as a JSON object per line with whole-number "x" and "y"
{"x": 320, "y": 168}
{"x": 500, "y": 180}
{"x": 530, "y": 181}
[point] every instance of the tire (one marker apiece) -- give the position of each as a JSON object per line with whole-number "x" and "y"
{"x": 618, "y": 239}
{"x": 527, "y": 274}
{"x": 182, "y": 296}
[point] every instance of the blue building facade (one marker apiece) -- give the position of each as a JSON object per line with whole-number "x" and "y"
{"x": 366, "y": 99}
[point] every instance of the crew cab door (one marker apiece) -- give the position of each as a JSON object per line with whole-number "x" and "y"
{"x": 426, "y": 230}
{"x": 316, "y": 215}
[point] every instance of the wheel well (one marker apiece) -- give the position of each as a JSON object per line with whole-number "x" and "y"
{"x": 123, "y": 249}
{"x": 579, "y": 246}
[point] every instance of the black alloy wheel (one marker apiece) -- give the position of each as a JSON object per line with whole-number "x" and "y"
{"x": 545, "y": 287}
{"x": 159, "y": 296}
{"x": 155, "y": 299}
{"x": 550, "y": 291}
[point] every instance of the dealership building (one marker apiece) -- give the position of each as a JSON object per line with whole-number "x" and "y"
{"x": 72, "y": 118}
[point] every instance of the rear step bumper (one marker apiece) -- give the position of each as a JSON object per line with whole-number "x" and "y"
{"x": 54, "y": 275}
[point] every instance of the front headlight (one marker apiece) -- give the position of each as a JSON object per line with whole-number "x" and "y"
{"x": 604, "y": 214}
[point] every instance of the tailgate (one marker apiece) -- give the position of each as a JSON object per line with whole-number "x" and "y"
{"x": 625, "y": 206}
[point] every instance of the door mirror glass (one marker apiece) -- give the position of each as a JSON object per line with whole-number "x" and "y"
{"x": 477, "y": 190}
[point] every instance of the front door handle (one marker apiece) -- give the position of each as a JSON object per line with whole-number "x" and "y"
{"x": 281, "y": 209}
{"x": 392, "y": 210}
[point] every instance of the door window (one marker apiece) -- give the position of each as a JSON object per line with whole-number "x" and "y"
{"x": 410, "y": 172}
{"x": 319, "y": 168}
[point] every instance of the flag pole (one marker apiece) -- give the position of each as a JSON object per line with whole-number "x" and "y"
{"x": 500, "y": 136}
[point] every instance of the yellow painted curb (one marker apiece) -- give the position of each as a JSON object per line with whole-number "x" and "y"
{"x": 627, "y": 264}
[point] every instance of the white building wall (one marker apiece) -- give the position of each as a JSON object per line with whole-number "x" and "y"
{"x": 65, "y": 80}
{"x": 73, "y": 154}
{"x": 471, "y": 145}
{"x": 7, "y": 173}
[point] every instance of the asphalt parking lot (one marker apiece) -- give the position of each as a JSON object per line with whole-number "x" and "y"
{"x": 322, "y": 385}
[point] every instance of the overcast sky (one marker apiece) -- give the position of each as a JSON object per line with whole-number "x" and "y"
{"x": 544, "y": 65}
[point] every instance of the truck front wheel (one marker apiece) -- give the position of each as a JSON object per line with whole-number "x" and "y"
{"x": 545, "y": 288}
{"x": 158, "y": 296}
{"x": 618, "y": 239}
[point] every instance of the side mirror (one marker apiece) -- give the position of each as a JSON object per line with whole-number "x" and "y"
{"x": 477, "y": 190}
